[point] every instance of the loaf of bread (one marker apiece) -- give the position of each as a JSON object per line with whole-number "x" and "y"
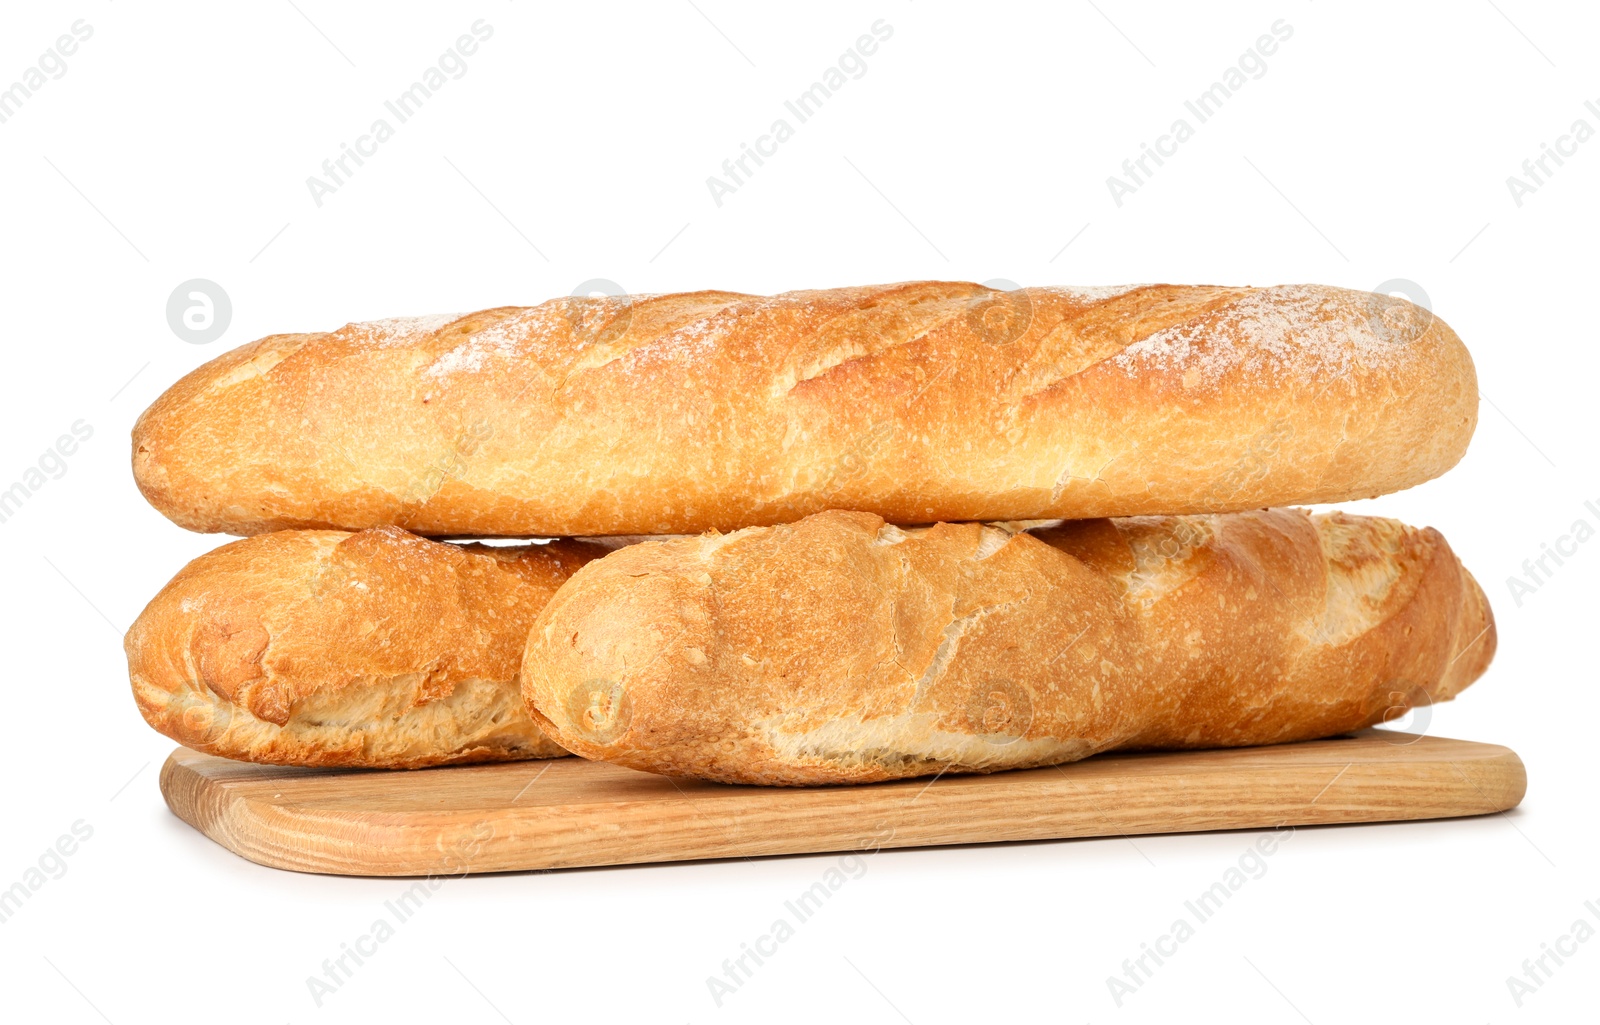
{"x": 840, "y": 649}
{"x": 917, "y": 402}
{"x": 376, "y": 649}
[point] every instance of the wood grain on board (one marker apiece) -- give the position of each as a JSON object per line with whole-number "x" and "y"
{"x": 566, "y": 812}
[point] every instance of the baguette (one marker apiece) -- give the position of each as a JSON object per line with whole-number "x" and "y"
{"x": 370, "y": 650}
{"x": 917, "y": 402}
{"x": 840, "y": 649}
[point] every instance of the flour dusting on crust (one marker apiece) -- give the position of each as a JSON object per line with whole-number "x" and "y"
{"x": 506, "y": 338}
{"x": 1091, "y": 293}
{"x": 1299, "y": 332}
{"x": 397, "y": 331}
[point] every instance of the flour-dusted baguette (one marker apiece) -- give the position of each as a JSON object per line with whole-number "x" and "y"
{"x": 376, "y": 649}
{"x": 918, "y": 402}
{"x": 839, "y": 649}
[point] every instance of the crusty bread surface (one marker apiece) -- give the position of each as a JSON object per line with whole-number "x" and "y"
{"x": 839, "y": 649}
{"x": 917, "y": 402}
{"x": 375, "y": 649}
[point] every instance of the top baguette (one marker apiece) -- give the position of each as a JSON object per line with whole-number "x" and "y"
{"x": 917, "y": 402}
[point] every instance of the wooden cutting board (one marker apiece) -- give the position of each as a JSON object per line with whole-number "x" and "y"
{"x": 567, "y": 812}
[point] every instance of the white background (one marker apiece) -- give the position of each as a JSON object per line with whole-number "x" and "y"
{"x": 1376, "y": 146}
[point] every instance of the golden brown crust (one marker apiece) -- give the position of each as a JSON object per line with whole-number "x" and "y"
{"x": 373, "y": 650}
{"x": 838, "y": 649}
{"x": 918, "y": 402}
